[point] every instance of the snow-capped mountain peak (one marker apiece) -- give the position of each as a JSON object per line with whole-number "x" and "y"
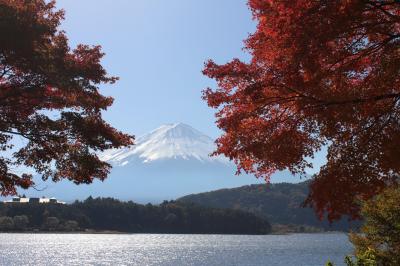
{"x": 170, "y": 141}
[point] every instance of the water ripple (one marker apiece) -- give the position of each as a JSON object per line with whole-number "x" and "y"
{"x": 153, "y": 249}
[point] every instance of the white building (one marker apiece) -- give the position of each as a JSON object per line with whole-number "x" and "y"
{"x": 42, "y": 200}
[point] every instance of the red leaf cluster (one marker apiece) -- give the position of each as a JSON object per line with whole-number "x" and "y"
{"x": 49, "y": 95}
{"x": 321, "y": 73}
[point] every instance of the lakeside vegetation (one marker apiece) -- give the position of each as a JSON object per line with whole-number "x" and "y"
{"x": 108, "y": 214}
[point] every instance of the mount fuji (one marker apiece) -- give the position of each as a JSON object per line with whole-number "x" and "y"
{"x": 169, "y": 162}
{"x": 168, "y": 142}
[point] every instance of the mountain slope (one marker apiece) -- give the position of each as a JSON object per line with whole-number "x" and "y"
{"x": 279, "y": 203}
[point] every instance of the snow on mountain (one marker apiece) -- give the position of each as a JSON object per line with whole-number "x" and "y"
{"x": 170, "y": 141}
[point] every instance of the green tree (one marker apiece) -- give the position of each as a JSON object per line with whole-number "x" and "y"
{"x": 51, "y": 223}
{"x": 366, "y": 259}
{"x": 20, "y": 222}
{"x": 71, "y": 225}
{"x": 379, "y": 240}
{"x": 6, "y": 223}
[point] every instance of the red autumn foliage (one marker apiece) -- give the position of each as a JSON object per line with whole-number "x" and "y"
{"x": 49, "y": 95}
{"x": 321, "y": 73}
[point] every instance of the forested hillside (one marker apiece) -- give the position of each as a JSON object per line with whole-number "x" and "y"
{"x": 107, "y": 214}
{"x": 279, "y": 203}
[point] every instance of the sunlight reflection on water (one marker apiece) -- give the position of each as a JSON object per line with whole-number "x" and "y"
{"x": 153, "y": 249}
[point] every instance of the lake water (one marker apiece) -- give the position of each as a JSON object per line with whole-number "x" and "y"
{"x": 152, "y": 249}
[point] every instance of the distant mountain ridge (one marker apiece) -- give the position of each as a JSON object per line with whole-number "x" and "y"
{"x": 278, "y": 203}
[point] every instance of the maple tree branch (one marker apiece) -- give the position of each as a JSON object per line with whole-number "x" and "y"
{"x": 370, "y": 50}
{"x": 31, "y": 136}
{"x": 359, "y": 100}
{"x": 380, "y": 6}
{"x": 17, "y": 133}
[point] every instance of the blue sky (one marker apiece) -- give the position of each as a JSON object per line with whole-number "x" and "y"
{"x": 158, "y": 49}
